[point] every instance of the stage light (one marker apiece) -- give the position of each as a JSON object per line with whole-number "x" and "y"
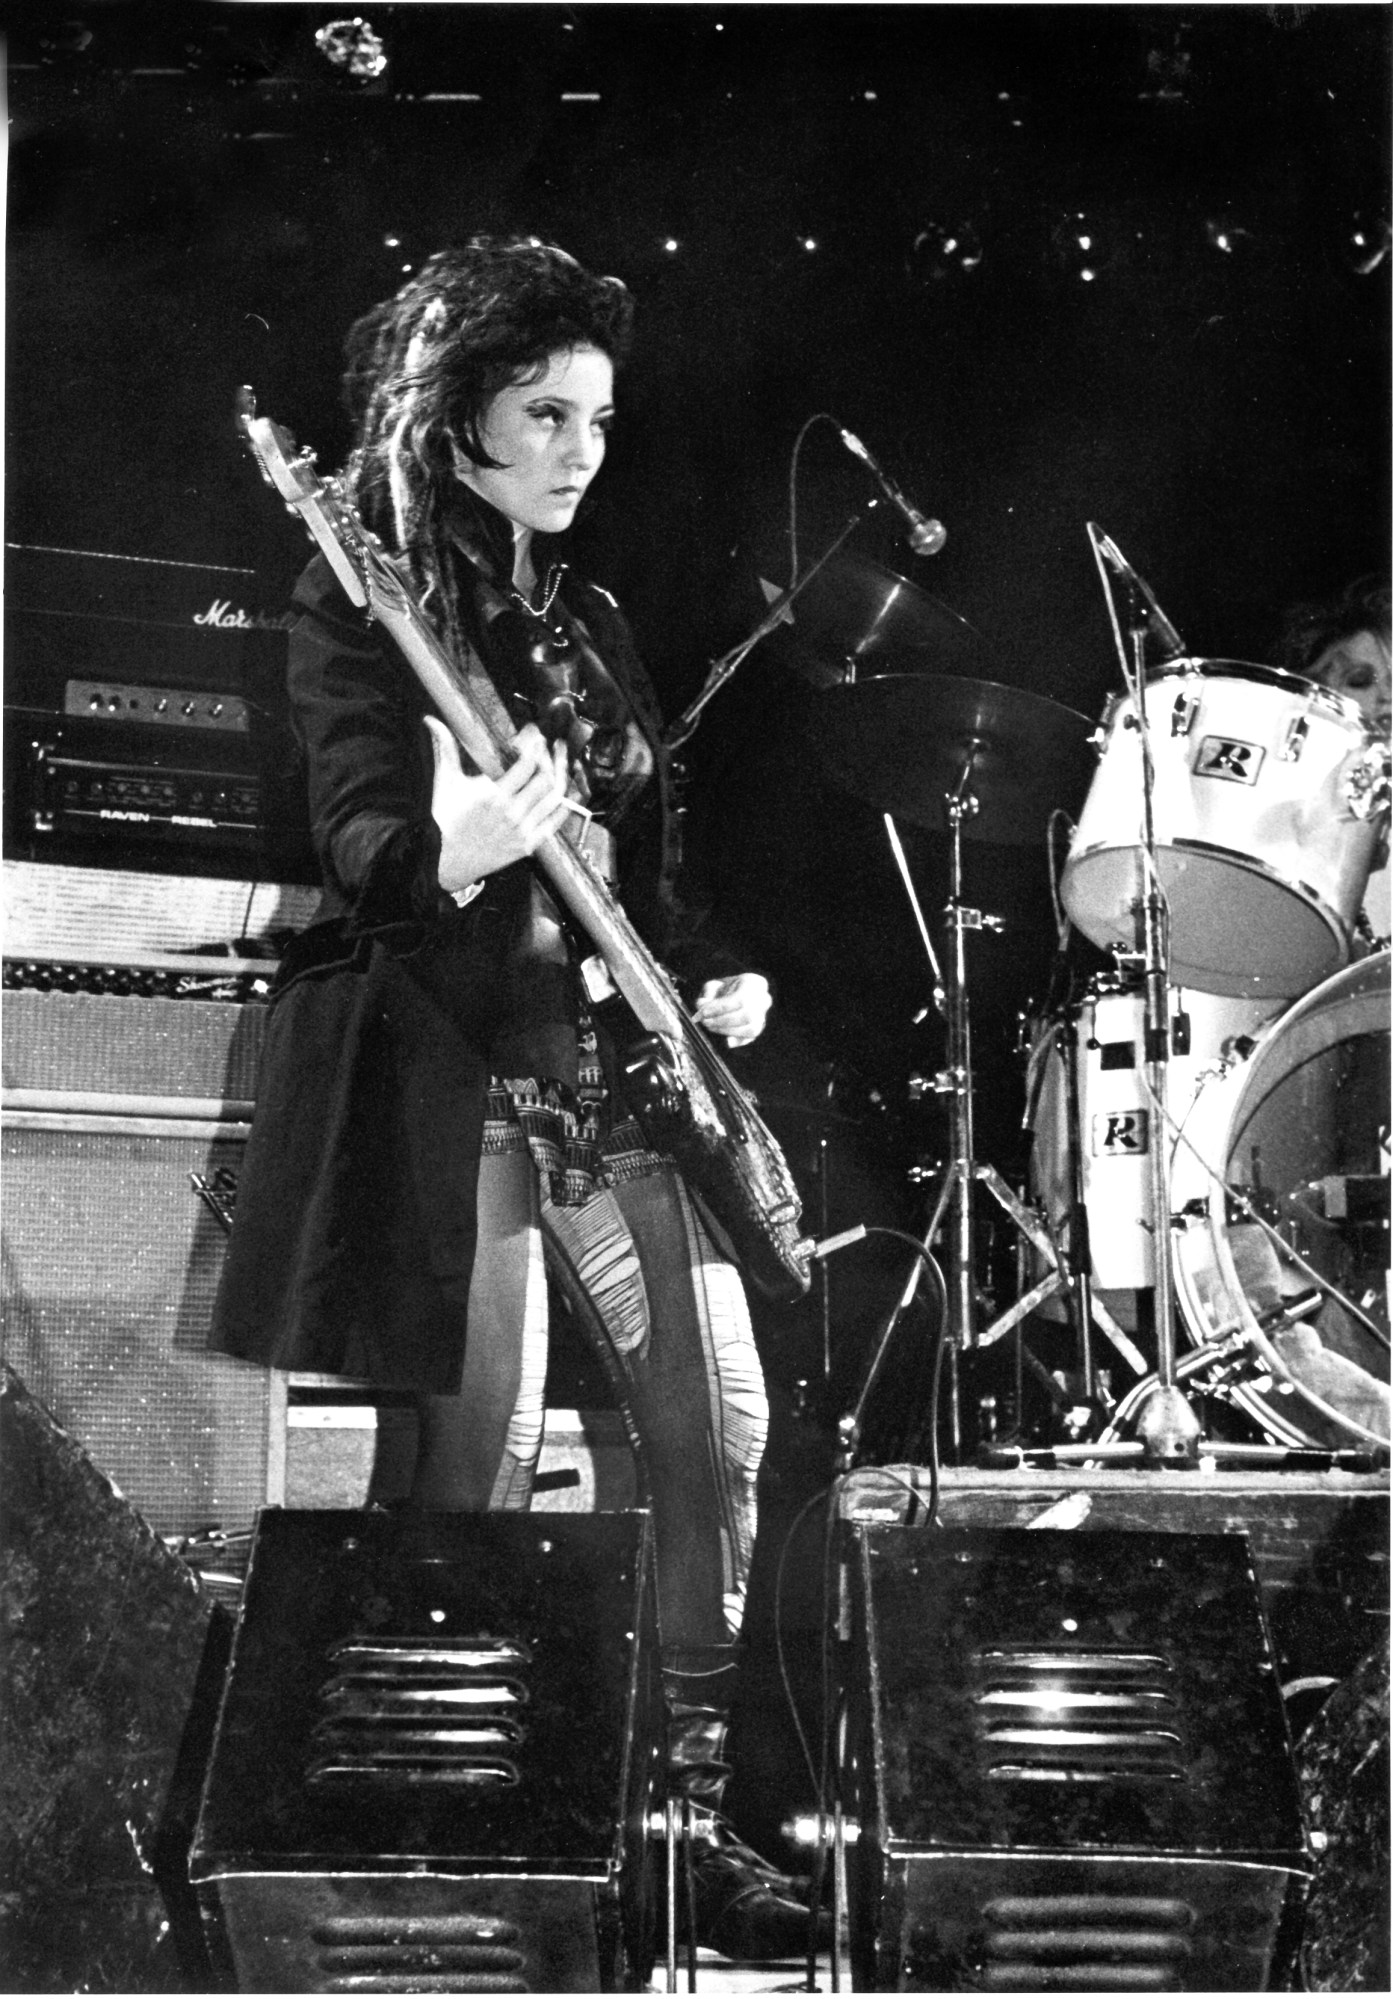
{"x": 353, "y": 45}
{"x": 942, "y": 250}
{"x": 1222, "y": 233}
{"x": 1365, "y": 241}
{"x": 1082, "y": 247}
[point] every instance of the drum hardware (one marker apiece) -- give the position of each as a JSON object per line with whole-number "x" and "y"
{"x": 1367, "y": 782}
{"x": 900, "y": 742}
{"x": 1059, "y": 1457}
{"x": 1166, "y": 1425}
{"x": 859, "y": 621}
{"x": 986, "y": 762}
{"x": 723, "y": 668}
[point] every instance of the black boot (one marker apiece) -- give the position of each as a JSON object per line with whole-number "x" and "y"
{"x": 744, "y": 1907}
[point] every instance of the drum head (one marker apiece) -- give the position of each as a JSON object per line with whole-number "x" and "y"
{"x": 1303, "y": 1136}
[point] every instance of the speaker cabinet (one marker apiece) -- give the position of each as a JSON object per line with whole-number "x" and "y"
{"x": 108, "y": 1640}
{"x": 1069, "y": 1765}
{"x": 111, "y": 1260}
{"x": 436, "y": 1759}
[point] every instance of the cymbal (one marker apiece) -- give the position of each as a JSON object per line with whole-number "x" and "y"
{"x": 901, "y": 742}
{"x": 855, "y": 620}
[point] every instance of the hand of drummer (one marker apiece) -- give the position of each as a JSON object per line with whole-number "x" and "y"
{"x": 488, "y": 823}
{"x": 736, "y": 1007}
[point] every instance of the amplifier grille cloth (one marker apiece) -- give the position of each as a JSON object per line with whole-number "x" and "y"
{"x": 53, "y": 911}
{"x": 172, "y": 1047}
{"x": 110, "y": 1267}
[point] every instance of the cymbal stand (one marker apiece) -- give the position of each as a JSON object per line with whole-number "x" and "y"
{"x": 963, "y": 1170}
{"x": 954, "y": 1082}
{"x": 955, "y": 1197}
{"x": 959, "y": 1184}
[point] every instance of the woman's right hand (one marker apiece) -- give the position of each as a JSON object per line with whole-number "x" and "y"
{"x": 487, "y": 823}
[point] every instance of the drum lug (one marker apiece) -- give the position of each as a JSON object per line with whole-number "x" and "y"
{"x": 1367, "y": 782}
{"x": 1294, "y": 741}
{"x": 1183, "y": 713}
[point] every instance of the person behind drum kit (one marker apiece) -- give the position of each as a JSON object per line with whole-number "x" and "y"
{"x": 1344, "y": 644}
{"x": 435, "y": 1101}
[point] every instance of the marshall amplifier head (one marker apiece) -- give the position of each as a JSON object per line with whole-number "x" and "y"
{"x": 147, "y": 715}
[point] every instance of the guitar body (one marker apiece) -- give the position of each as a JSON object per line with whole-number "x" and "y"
{"x": 746, "y": 1195}
{"x": 735, "y": 1170}
{"x": 687, "y": 1101}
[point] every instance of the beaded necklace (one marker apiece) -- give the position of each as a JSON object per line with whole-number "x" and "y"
{"x": 553, "y": 584}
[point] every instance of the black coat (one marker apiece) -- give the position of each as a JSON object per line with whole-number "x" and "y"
{"x": 354, "y": 1233}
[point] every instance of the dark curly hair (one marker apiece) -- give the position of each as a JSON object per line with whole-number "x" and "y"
{"x": 1362, "y": 606}
{"x": 423, "y": 366}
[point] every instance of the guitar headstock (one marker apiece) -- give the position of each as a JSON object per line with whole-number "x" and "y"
{"x": 321, "y": 504}
{"x": 280, "y": 461}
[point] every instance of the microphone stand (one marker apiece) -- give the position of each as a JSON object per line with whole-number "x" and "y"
{"x": 1166, "y": 1425}
{"x": 722, "y": 669}
{"x": 1167, "y": 1428}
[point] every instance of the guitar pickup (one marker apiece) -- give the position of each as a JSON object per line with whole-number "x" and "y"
{"x": 599, "y": 986}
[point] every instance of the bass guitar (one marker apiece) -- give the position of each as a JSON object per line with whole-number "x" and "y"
{"x": 690, "y": 1105}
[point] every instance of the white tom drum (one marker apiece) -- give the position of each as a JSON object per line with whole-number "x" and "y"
{"x": 1262, "y": 850}
{"x": 1298, "y": 1123}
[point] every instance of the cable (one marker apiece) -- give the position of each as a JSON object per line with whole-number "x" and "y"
{"x": 818, "y": 416}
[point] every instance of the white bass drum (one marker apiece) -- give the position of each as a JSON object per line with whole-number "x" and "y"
{"x": 1299, "y": 1126}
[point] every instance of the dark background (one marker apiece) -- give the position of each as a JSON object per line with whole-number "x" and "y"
{"x": 876, "y": 212}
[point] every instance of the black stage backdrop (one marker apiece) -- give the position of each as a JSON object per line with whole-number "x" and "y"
{"x": 1053, "y": 264}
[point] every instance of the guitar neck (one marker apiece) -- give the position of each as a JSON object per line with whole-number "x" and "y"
{"x": 488, "y": 740}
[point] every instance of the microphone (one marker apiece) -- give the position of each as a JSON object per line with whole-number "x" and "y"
{"x": 926, "y": 537}
{"x": 1156, "y": 620}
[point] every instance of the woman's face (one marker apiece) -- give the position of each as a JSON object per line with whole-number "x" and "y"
{"x": 1359, "y": 667}
{"x": 548, "y": 437}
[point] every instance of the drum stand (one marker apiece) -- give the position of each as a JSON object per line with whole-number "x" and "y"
{"x": 955, "y": 1197}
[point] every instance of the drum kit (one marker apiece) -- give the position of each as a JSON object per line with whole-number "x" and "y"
{"x": 1222, "y": 1090}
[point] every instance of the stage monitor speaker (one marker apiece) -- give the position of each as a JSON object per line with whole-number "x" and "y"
{"x": 111, "y": 1259}
{"x": 1069, "y": 1765}
{"x": 109, "y": 1642}
{"x": 437, "y": 1757}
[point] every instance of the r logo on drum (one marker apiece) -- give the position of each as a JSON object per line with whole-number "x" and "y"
{"x": 1121, "y": 1134}
{"x": 1222, "y": 756}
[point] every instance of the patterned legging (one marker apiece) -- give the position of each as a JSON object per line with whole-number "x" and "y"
{"x": 668, "y": 1317}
